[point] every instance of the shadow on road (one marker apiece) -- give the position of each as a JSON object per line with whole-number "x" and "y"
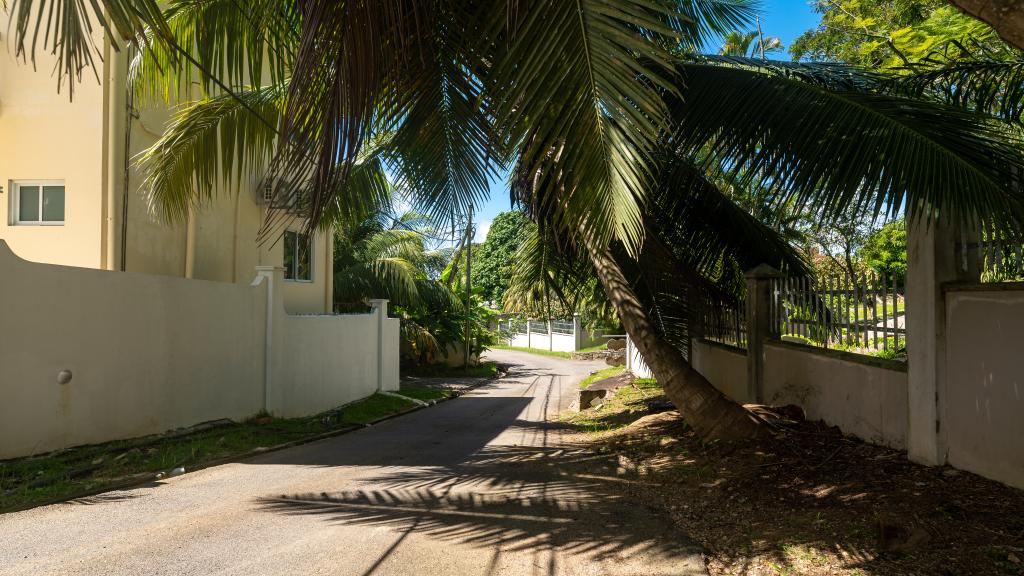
{"x": 513, "y": 499}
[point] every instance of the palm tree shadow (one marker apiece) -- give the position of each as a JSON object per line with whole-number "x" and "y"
{"x": 513, "y": 499}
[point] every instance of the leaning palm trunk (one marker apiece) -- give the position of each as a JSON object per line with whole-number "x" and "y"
{"x": 711, "y": 414}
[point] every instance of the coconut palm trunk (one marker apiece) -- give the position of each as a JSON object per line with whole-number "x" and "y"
{"x": 711, "y": 414}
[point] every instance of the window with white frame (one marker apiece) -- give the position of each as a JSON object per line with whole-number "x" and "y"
{"x": 298, "y": 257}
{"x": 37, "y": 202}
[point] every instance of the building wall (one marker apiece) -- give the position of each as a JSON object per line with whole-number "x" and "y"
{"x": 984, "y": 407}
{"x": 148, "y": 353}
{"x": 44, "y": 135}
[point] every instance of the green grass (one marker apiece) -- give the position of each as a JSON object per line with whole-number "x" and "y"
{"x": 533, "y": 351}
{"x": 426, "y": 394}
{"x": 30, "y": 481}
{"x": 628, "y": 404}
{"x": 601, "y": 375}
{"x": 595, "y": 348}
{"x": 482, "y": 370}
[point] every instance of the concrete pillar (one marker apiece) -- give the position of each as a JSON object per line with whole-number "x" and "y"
{"x": 932, "y": 260}
{"x": 759, "y": 328}
{"x": 380, "y": 309}
{"x": 528, "y": 334}
{"x": 551, "y": 337}
{"x": 273, "y": 276}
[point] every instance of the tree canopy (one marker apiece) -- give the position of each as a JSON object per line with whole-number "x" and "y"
{"x": 890, "y": 33}
{"x": 493, "y": 261}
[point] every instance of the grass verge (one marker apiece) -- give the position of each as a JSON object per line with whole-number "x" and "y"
{"x": 27, "y": 482}
{"x": 427, "y": 394}
{"x": 482, "y": 370}
{"x": 601, "y": 375}
{"x": 628, "y": 404}
{"x": 533, "y": 351}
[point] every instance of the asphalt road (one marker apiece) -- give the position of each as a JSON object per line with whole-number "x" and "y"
{"x": 470, "y": 486}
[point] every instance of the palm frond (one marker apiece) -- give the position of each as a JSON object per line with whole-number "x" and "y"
{"x": 707, "y": 231}
{"x": 241, "y": 44}
{"x": 208, "y": 144}
{"x": 976, "y": 82}
{"x": 584, "y": 122}
{"x": 68, "y": 29}
{"x": 834, "y": 150}
{"x": 703, "y": 21}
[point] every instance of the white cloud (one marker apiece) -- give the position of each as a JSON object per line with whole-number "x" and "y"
{"x": 481, "y": 231}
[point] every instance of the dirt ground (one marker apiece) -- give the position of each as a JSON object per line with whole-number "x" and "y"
{"x": 809, "y": 501}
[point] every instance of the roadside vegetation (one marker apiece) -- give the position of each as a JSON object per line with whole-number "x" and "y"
{"x": 27, "y": 482}
{"x": 482, "y": 370}
{"x": 554, "y": 353}
{"x": 601, "y": 375}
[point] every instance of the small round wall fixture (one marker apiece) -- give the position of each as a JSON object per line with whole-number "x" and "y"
{"x": 64, "y": 377}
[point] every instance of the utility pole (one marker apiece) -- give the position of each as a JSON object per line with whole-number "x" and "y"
{"x": 469, "y": 287}
{"x": 760, "y": 37}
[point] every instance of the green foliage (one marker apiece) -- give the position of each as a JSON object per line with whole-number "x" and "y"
{"x": 747, "y": 44}
{"x": 493, "y": 261}
{"x": 554, "y": 353}
{"x": 889, "y": 33}
{"x": 885, "y": 251}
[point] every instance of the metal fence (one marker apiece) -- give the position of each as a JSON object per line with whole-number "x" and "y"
{"x": 863, "y": 313}
{"x": 562, "y": 327}
{"x": 994, "y": 259}
{"x": 725, "y": 323}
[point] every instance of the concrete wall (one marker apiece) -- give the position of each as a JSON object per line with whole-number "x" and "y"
{"x": 149, "y": 353}
{"x": 984, "y": 408}
{"x": 332, "y": 360}
{"x": 725, "y": 366}
{"x": 863, "y": 396}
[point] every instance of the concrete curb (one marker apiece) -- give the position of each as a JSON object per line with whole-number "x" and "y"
{"x": 144, "y": 478}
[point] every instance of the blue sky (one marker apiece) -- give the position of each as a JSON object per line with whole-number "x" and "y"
{"x": 786, "y": 19}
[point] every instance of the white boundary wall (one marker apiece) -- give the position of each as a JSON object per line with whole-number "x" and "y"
{"x": 863, "y": 396}
{"x": 151, "y": 353}
{"x": 983, "y": 412}
{"x": 556, "y": 341}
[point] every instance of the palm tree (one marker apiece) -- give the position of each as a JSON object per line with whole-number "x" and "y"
{"x": 749, "y": 44}
{"x": 600, "y": 122}
{"x": 386, "y": 256}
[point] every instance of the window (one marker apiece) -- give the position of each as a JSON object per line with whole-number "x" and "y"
{"x": 298, "y": 257}
{"x": 37, "y": 202}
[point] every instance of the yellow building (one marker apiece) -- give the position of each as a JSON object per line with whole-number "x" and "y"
{"x": 65, "y": 198}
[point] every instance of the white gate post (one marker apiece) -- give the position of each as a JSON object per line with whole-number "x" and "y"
{"x": 380, "y": 309}
{"x": 551, "y": 337}
{"x": 274, "y": 277}
{"x": 577, "y": 332}
{"x": 529, "y": 344}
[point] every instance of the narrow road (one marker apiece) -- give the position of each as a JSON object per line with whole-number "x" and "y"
{"x": 471, "y": 486}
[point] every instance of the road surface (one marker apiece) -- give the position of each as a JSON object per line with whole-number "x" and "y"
{"x": 470, "y": 486}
